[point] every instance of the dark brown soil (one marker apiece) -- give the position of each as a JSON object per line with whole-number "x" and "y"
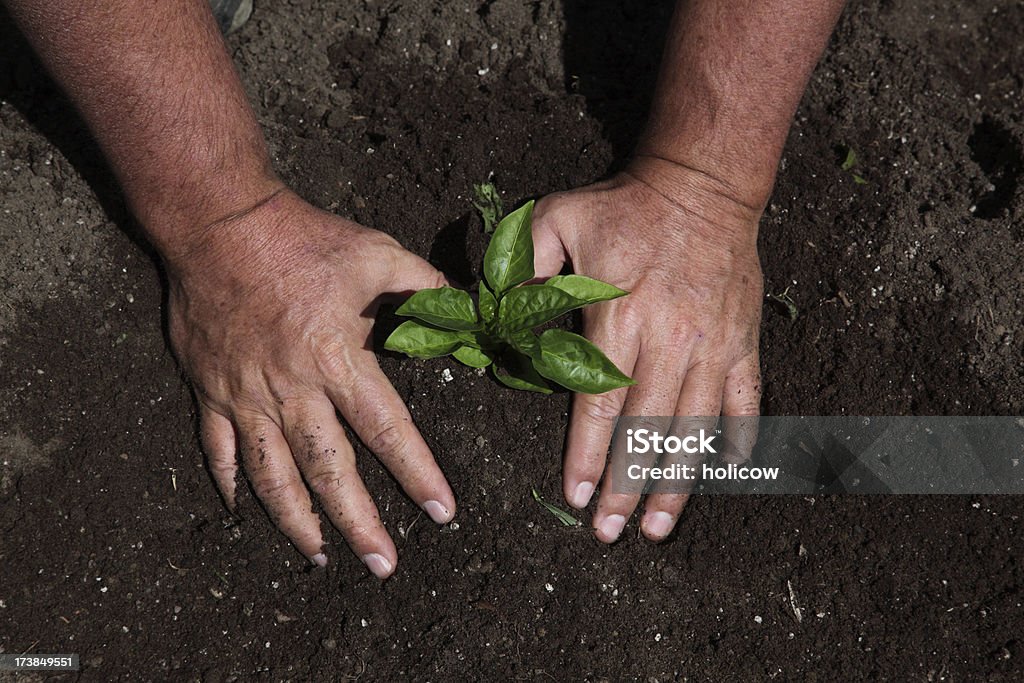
{"x": 910, "y": 290}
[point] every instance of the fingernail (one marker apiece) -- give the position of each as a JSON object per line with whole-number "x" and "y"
{"x": 378, "y": 564}
{"x": 581, "y": 495}
{"x": 319, "y": 560}
{"x": 658, "y": 524}
{"x": 439, "y": 513}
{"x": 611, "y": 527}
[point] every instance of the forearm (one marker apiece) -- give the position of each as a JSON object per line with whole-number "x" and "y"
{"x": 731, "y": 78}
{"x": 158, "y": 90}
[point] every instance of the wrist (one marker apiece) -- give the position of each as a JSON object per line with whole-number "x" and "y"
{"x": 747, "y": 183}
{"x": 180, "y": 229}
{"x": 726, "y": 209}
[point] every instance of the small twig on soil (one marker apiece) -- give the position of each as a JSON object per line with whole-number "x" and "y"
{"x": 408, "y": 529}
{"x": 797, "y": 611}
{"x": 179, "y": 569}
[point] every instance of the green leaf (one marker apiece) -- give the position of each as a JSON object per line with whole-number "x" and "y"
{"x": 488, "y": 203}
{"x": 509, "y": 257}
{"x": 420, "y": 341}
{"x": 562, "y": 516}
{"x": 525, "y": 307}
{"x": 451, "y": 309}
{"x": 525, "y": 342}
{"x": 850, "y": 161}
{"x": 515, "y": 370}
{"x": 589, "y": 290}
{"x": 488, "y": 304}
{"x": 576, "y": 364}
{"x": 474, "y": 358}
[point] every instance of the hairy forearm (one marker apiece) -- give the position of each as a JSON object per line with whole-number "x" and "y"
{"x": 158, "y": 90}
{"x": 731, "y": 78}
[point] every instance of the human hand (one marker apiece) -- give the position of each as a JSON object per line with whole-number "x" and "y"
{"x": 270, "y": 315}
{"x": 688, "y": 331}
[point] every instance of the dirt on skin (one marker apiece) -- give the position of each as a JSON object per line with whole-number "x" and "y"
{"x": 909, "y": 290}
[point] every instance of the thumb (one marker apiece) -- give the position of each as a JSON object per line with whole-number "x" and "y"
{"x": 412, "y": 273}
{"x": 549, "y": 253}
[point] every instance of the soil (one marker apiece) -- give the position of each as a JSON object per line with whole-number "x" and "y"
{"x": 910, "y": 296}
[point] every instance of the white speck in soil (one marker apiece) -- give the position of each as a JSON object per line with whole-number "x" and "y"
{"x": 758, "y": 619}
{"x": 446, "y": 375}
{"x": 549, "y": 588}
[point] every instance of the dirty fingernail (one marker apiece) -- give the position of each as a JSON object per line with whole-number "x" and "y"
{"x": 581, "y": 495}
{"x": 611, "y": 527}
{"x": 378, "y": 564}
{"x": 439, "y": 513}
{"x": 658, "y": 524}
{"x": 319, "y": 560}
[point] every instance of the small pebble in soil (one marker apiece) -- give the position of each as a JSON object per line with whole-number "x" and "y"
{"x": 549, "y": 588}
{"x": 446, "y": 375}
{"x": 758, "y": 619}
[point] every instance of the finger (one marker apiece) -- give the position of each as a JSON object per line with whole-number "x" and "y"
{"x": 409, "y": 273}
{"x": 548, "y": 253}
{"x": 699, "y": 404}
{"x": 217, "y": 435}
{"x": 377, "y": 414}
{"x": 741, "y": 405}
{"x": 328, "y": 464}
{"x": 659, "y": 376}
{"x": 593, "y": 415}
{"x": 271, "y": 470}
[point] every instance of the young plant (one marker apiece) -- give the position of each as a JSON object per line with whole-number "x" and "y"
{"x": 499, "y": 330}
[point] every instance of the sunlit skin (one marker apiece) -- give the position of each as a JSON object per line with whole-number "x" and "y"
{"x": 251, "y": 266}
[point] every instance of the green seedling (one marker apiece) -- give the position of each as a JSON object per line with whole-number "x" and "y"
{"x": 488, "y": 202}
{"x": 786, "y": 301}
{"x": 848, "y": 163}
{"x": 498, "y": 331}
{"x": 562, "y": 516}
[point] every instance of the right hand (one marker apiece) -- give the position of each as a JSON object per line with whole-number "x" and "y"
{"x": 270, "y": 316}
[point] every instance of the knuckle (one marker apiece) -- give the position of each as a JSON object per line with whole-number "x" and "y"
{"x": 361, "y": 531}
{"x": 335, "y": 359}
{"x": 326, "y": 483}
{"x": 222, "y": 466}
{"x": 389, "y": 438}
{"x": 601, "y": 408}
{"x": 630, "y": 315}
{"x": 272, "y": 488}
